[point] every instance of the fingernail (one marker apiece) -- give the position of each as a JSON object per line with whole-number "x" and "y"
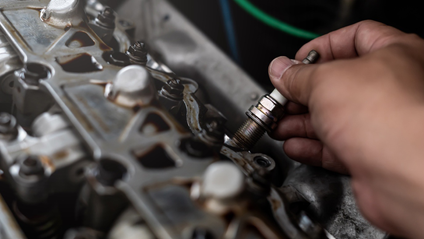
{"x": 279, "y": 65}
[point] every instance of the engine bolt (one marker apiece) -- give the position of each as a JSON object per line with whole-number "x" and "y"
{"x": 106, "y": 18}
{"x": 174, "y": 89}
{"x": 138, "y": 53}
{"x": 31, "y": 165}
{"x": 8, "y": 126}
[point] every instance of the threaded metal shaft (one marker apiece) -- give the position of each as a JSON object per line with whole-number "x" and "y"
{"x": 248, "y": 134}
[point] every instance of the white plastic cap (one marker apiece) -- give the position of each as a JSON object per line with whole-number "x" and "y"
{"x": 277, "y": 96}
{"x": 222, "y": 180}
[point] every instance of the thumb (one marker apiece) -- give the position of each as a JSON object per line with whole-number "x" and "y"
{"x": 292, "y": 79}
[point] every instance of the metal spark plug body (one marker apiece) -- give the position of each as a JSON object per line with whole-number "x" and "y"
{"x": 264, "y": 116}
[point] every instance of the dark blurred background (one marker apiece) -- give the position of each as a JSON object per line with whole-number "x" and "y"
{"x": 253, "y": 44}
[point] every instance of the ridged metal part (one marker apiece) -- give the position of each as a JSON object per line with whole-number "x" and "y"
{"x": 248, "y": 134}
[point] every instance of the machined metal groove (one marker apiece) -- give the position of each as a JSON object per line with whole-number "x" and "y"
{"x": 248, "y": 134}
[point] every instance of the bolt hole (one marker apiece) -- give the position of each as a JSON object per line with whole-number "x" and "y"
{"x": 11, "y": 84}
{"x": 119, "y": 56}
{"x": 262, "y": 162}
{"x": 41, "y": 71}
{"x": 19, "y": 89}
{"x": 110, "y": 171}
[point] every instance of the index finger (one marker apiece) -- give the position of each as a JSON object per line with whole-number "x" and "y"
{"x": 352, "y": 41}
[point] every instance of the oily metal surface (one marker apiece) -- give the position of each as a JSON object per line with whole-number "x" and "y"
{"x": 106, "y": 135}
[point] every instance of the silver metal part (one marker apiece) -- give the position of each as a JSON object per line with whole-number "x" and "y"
{"x": 104, "y": 25}
{"x": 263, "y": 116}
{"x": 138, "y": 53}
{"x": 132, "y": 137}
{"x": 312, "y": 57}
{"x": 266, "y": 113}
{"x": 62, "y": 13}
{"x": 133, "y": 85}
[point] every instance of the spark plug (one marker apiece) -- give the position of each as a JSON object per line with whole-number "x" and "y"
{"x": 264, "y": 116}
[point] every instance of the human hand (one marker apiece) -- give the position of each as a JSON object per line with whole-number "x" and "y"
{"x": 360, "y": 110}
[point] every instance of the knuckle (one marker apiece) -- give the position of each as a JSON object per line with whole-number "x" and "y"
{"x": 369, "y": 24}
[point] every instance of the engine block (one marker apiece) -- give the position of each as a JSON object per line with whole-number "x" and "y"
{"x": 99, "y": 138}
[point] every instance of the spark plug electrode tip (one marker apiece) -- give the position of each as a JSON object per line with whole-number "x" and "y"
{"x": 312, "y": 57}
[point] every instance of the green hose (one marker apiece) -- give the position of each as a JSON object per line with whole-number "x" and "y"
{"x": 274, "y": 22}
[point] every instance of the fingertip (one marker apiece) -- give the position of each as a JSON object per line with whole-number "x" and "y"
{"x": 277, "y": 68}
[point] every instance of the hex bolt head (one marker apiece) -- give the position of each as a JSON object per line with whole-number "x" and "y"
{"x": 8, "y": 125}
{"x": 31, "y": 165}
{"x": 138, "y": 53}
{"x": 173, "y": 89}
{"x": 106, "y": 18}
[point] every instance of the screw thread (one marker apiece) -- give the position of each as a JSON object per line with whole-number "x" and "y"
{"x": 248, "y": 134}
